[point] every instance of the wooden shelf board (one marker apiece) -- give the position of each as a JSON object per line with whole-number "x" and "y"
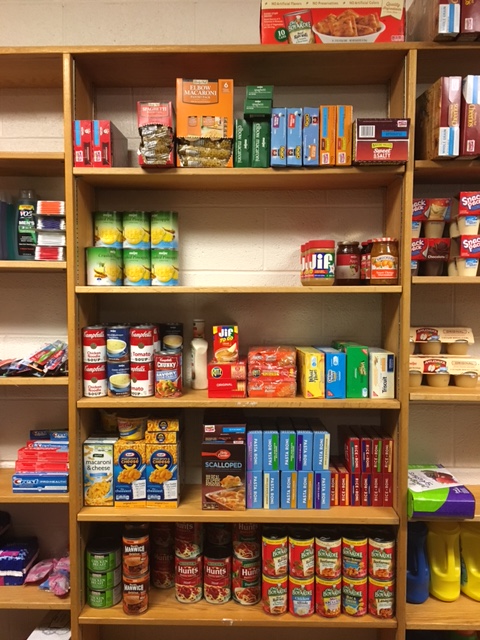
{"x": 8, "y": 497}
{"x": 234, "y": 290}
{"x": 457, "y": 170}
{"x": 166, "y": 610}
{"x": 31, "y": 265}
{"x": 31, "y": 67}
{"x": 448, "y": 394}
{"x": 31, "y": 597}
{"x": 435, "y": 615}
{"x": 42, "y": 164}
{"x": 190, "y": 511}
{"x": 185, "y": 179}
{"x": 198, "y": 399}
{"x": 445, "y": 279}
{"x": 16, "y": 381}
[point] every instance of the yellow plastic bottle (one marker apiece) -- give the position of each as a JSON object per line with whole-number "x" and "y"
{"x": 470, "y": 559}
{"x": 443, "y": 549}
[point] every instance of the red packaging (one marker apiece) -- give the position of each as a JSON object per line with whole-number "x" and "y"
{"x": 381, "y": 140}
{"x": 366, "y": 454}
{"x": 189, "y": 579}
{"x": 355, "y": 490}
{"x": 301, "y": 557}
{"x": 334, "y": 484}
{"x": 233, "y": 393}
{"x": 431, "y": 249}
{"x": 109, "y": 145}
{"x": 279, "y": 355}
{"x": 227, "y": 370}
{"x": 217, "y": 574}
{"x": 82, "y": 143}
{"x": 95, "y": 380}
{"x": 469, "y": 20}
{"x": 226, "y": 384}
{"x": 142, "y": 343}
{"x": 246, "y": 577}
{"x": 266, "y": 388}
{"x": 351, "y": 446}
{"x": 301, "y": 596}
{"x": 328, "y": 557}
{"x": 366, "y": 489}
{"x": 381, "y": 558}
{"x": 354, "y": 596}
{"x": 163, "y": 569}
{"x": 376, "y": 491}
{"x": 354, "y": 556}
{"x": 328, "y": 597}
{"x": 343, "y": 485}
{"x": 162, "y": 151}
{"x": 94, "y": 344}
{"x": 381, "y": 598}
{"x": 387, "y": 489}
{"x": 188, "y": 539}
{"x": 168, "y": 375}
{"x": 274, "y": 554}
{"x": 275, "y": 594}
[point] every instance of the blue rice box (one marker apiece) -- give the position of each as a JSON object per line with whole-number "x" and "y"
{"x": 321, "y": 495}
{"x": 321, "y": 450}
{"x": 304, "y": 489}
{"x": 40, "y": 482}
{"x": 294, "y": 136}
{"x": 255, "y": 450}
{"x": 271, "y": 489}
{"x": 288, "y": 498}
{"x": 434, "y": 491}
{"x": 254, "y": 490}
{"x": 288, "y": 441}
{"x": 304, "y": 450}
{"x": 278, "y": 137}
{"x": 270, "y": 450}
{"x": 335, "y": 373}
{"x": 310, "y": 136}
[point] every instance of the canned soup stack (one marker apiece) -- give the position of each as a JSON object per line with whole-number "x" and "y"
{"x": 104, "y": 573}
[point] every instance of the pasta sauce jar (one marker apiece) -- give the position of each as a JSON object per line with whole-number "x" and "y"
{"x": 384, "y": 261}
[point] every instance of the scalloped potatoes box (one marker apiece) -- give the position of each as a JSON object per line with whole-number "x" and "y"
{"x": 332, "y": 21}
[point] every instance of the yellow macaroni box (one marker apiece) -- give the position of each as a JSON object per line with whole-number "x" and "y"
{"x": 166, "y": 423}
{"x": 162, "y": 437}
{"x": 163, "y": 480}
{"x": 98, "y": 471}
{"x": 129, "y": 473}
{"x": 327, "y": 137}
{"x": 343, "y": 147}
{"x": 311, "y": 372}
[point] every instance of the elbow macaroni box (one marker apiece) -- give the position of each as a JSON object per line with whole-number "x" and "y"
{"x": 130, "y": 486}
{"x": 381, "y": 367}
{"x": 98, "y": 467}
{"x": 162, "y": 475}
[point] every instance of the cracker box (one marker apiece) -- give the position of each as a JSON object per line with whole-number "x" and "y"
{"x": 434, "y": 491}
{"x": 82, "y": 143}
{"x": 287, "y": 22}
{"x": 271, "y": 489}
{"x": 335, "y": 373}
{"x": 229, "y": 370}
{"x": 109, "y": 145}
{"x": 243, "y": 143}
{"x": 162, "y": 475}
{"x": 469, "y": 20}
{"x": 155, "y": 121}
{"x": 381, "y": 140}
{"x": 311, "y": 372}
{"x": 294, "y": 136}
{"x": 254, "y": 489}
{"x": 438, "y": 119}
{"x": 437, "y": 20}
{"x": 343, "y": 142}
{"x": 311, "y": 132}
{"x": 98, "y": 467}
{"x": 130, "y": 486}
{"x": 328, "y": 131}
{"x": 381, "y": 367}
{"x": 278, "y": 137}
{"x": 470, "y": 116}
{"x": 288, "y": 499}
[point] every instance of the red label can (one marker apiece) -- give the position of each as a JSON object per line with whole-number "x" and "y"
{"x": 142, "y": 343}
{"x": 274, "y": 555}
{"x": 328, "y": 557}
{"x": 94, "y": 344}
{"x": 162, "y": 569}
{"x": 135, "y": 594}
{"x": 275, "y": 594}
{"x": 354, "y": 557}
{"x": 162, "y": 534}
{"x": 246, "y": 532}
{"x": 141, "y": 379}
{"x": 217, "y": 576}
{"x": 189, "y": 579}
{"x": 218, "y": 534}
{"x": 188, "y": 539}
{"x": 301, "y": 557}
{"x": 168, "y": 375}
{"x": 95, "y": 380}
{"x": 381, "y": 598}
{"x": 246, "y": 577}
{"x": 328, "y": 597}
{"x": 381, "y": 558}
{"x": 135, "y": 552}
{"x": 354, "y": 596}
{"x": 301, "y": 596}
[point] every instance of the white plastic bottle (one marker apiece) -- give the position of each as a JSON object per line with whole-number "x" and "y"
{"x": 199, "y": 348}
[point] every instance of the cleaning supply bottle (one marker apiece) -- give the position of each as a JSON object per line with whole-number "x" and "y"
{"x": 418, "y": 572}
{"x": 470, "y": 559}
{"x": 25, "y": 235}
{"x": 199, "y": 348}
{"x": 443, "y": 549}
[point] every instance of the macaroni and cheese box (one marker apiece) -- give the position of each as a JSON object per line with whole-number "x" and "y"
{"x": 294, "y": 136}
{"x": 310, "y": 372}
{"x": 343, "y": 146}
{"x": 168, "y": 422}
{"x": 304, "y": 489}
{"x": 271, "y": 459}
{"x": 129, "y": 473}
{"x": 335, "y": 373}
{"x": 311, "y": 130}
{"x": 254, "y": 489}
{"x": 271, "y": 489}
{"x": 98, "y": 471}
{"x": 278, "y": 137}
{"x": 163, "y": 482}
{"x": 288, "y": 499}
{"x": 322, "y": 483}
{"x": 381, "y": 367}
{"x": 287, "y": 447}
{"x": 255, "y": 450}
{"x": 327, "y": 142}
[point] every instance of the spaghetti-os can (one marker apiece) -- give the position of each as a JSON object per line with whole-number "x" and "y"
{"x": 274, "y": 552}
{"x": 135, "y": 550}
{"x": 301, "y": 555}
{"x": 188, "y": 539}
{"x": 217, "y": 575}
{"x": 381, "y": 558}
{"x": 141, "y": 343}
{"x": 189, "y": 579}
{"x": 275, "y": 594}
{"x": 381, "y": 598}
{"x": 328, "y": 597}
{"x": 354, "y": 556}
{"x": 95, "y": 380}
{"x": 328, "y": 555}
{"x": 354, "y": 596}
{"x": 301, "y": 596}
{"x": 141, "y": 379}
{"x": 246, "y": 580}
{"x": 94, "y": 344}
{"x": 135, "y": 594}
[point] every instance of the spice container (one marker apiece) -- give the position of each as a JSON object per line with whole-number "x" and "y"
{"x": 347, "y": 268}
{"x": 384, "y": 261}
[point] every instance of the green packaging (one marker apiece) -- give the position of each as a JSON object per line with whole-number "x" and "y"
{"x": 164, "y": 230}
{"x": 104, "y": 599}
{"x": 357, "y": 367}
{"x": 136, "y": 230}
{"x": 136, "y": 267}
{"x": 257, "y": 108}
{"x": 103, "y": 581}
{"x": 259, "y": 92}
{"x": 108, "y": 229}
{"x": 261, "y": 143}
{"x": 243, "y": 143}
{"x": 164, "y": 267}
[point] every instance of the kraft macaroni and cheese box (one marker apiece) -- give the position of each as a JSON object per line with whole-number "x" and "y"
{"x": 278, "y": 137}
{"x": 328, "y": 118}
{"x": 270, "y": 450}
{"x": 311, "y": 372}
{"x": 271, "y": 489}
{"x": 304, "y": 489}
{"x": 321, "y": 450}
{"x": 304, "y": 450}
{"x": 381, "y": 366}
{"x": 254, "y": 490}
{"x": 294, "y": 136}
{"x": 163, "y": 485}
{"x": 321, "y": 493}
{"x": 287, "y": 450}
{"x": 311, "y": 122}
{"x": 288, "y": 498}
{"x": 335, "y": 373}
{"x": 129, "y": 473}
{"x": 255, "y": 450}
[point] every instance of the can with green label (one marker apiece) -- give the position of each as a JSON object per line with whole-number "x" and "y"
{"x": 105, "y": 580}
{"x": 164, "y": 267}
{"x": 104, "y": 267}
{"x": 108, "y": 229}
{"x": 104, "y": 599}
{"x": 136, "y": 267}
{"x": 164, "y": 229}
{"x": 103, "y": 555}
{"x": 136, "y": 230}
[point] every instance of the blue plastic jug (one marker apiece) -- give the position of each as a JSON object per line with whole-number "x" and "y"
{"x": 418, "y": 572}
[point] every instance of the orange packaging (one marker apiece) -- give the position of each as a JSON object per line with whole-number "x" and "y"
{"x": 225, "y": 343}
{"x": 343, "y": 149}
{"x": 327, "y": 136}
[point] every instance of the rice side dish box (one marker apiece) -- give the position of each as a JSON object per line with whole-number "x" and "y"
{"x": 434, "y": 491}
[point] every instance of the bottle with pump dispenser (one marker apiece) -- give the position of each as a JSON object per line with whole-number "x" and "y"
{"x": 199, "y": 349}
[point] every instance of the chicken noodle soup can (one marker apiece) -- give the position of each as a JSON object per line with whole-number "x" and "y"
{"x": 301, "y": 556}
{"x": 164, "y": 230}
{"x": 328, "y": 556}
{"x": 136, "y": 267}
{"x": 381, "y": 558}
{"x": 381, "y": 598}
{"x": 246, "y": 580}
{"x": 135, "y": 594}
{"x": 94, "y": 344}
{"x": 354, "y": 596}
{"x": 142, "y": 384}
{"x": 301, "y": 596}
{"x": 104, "y": 267}
{"x": 188, "y": 539}
{"x": 354, "y": 556}
{"x": 108, "y": 229}
{"x": 189, "y": 579}
{"x": 165, "y": 269}
{"x": 328, "y": 597}
{"x": 95, "y": 380}
{"x": 168, "y": 375}
{"x": 136, "y": 230}
{"x": 217, "y": 575}
{"x": 274, "y": 553}
{"x": 275, "y": 594}
{"x": 142, "y": 343}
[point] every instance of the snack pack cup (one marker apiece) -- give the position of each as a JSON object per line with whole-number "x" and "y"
{"x": 468, "y": 225}
{"x": 432, "y": 348}
{"x": 464, "y": 267}
{"x": 453, "y": 230}
{"x": 458, "y": 348}
{"x": 433, "y": 267}
{"x": 466, "y": 380}
{"x": 433, "y": 228}
{"x": 438, "y": 380}
{"x": 416, "y": 228}
{"x": 415, "y": 378}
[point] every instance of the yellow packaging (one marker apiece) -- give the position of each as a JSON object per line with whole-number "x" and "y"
{"x": 162, "y": 437}
{"x": 327, "y": 137}
{"x": 343, "y": 149}
{"x": 167, "y": 423}
{"x": 162, "y": 475}
{"x": 311, "y": 372}
{"x": 129, "y": 473}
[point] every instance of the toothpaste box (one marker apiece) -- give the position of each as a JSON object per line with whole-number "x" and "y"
{"x": 129, "y": 473}
{"x": 82, "y": 143}
{"x": 304, "y": 450}
{"x": 343, "y": 147}
{"x": 294, "y": 136}
{"x": 287, "y": 450}
{"x": 288, "y": 489}
{"x": 311, "y": 132}
{"x": 254, "y": 490}
{"x": 434, "y": 491}
{"x": 327, "y": 144}
{"x": 381, "y": 367}
{"x": 304, "y": 489}
{"x": 321, "y": 450}
{"x": 335, "y": 373}
{"x": 255, "y": 450}
{"x": 45, "y": 434}
{"x": 310, "y": 372}
{"x": 278, "y": 137}
{"x": 271, "y": 461}
{"x": 40, "y": 482}
{"x": 271, "y": 489}
{"x": 322, "y": 486}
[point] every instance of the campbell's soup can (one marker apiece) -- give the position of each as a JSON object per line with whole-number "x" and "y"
{"x": 275, "y": 594}
{"x": 274, "y": 552}
{"x": 141, "y": 379}
{"x": 118, "y": 374}
{"x": 354, "y": 596}
{"x": 381, "y": 558}
{"x": 118, "y": 342}
{"x": 188, "y": 539}
{"x": 135, "y": 551}
{"x": 162, "y": 534}
{"x": 218, "y": 534}
{"x": 171, "y": 337}
{"x": 162, "y": 570}
{"x": 301, "y": 596}
{"x": 135, "y": 594}
{"x": 141, "y": 343}
{"x": 217, "y": 575}
{"x": 168, "y": 375}
{"x": 301, "y": 554}
{"x": 95, "y": 380}
{"x": 354, "y": 556}
{"x": 381, "y": 598}
{"x": 189, "y": 579}
{"x": 94, "y": 344}
{"x": 246, "y": 580}
{"x": 328, "y": 597}
{"x": 328, "y": 555}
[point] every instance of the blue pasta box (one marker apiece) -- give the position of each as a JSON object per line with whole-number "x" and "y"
{"x": 304, "y": 489}
{"x": 254, "y": 489}
{"x": 321, "y": 450}
{"x": 304, "y": 454}
{"x": 335, "y": 373}
{"x": 294, "y": 136}
{"x": 288, "y": 441}
{"x": 255, "y": 450}
{"x": 434, "y": 491}
{"x": 310, "y": 136}
{"x": 270, "y": 450}
{"x": 278, "y": 137}
{"x": 322, "y": 489}
{"x": 271, "y": 489}
{"x": 288, "y": 499}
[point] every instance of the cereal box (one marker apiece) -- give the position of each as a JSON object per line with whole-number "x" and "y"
{"x": 163, "y": 486}
{"x": 98, "y": 460}
{"x": 130, "y": 488}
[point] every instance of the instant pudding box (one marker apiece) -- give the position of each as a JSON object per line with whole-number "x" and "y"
{"x": 332, "y": 21}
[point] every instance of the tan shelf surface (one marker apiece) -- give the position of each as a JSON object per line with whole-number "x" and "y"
{"x": 31, "y": 265}
{"x": 185, "y": 179}
{"x": 32, "y": 164}
{"x": 31, "y": 67}
{"x": 447, "y": 171}
{"x": 165, "y": 609}
{"x": 198, "y": 399}
{"x": 447, "y": 394}
{"x": 31, "y": 597}
{"x": 190, "y": 511}
{"x": 17, "y": 381}
{"x": 445, "y": 279}
{"x": 8, "y": 497}
{"x": 248, "y": 290}
{"x": 436, "y": 615}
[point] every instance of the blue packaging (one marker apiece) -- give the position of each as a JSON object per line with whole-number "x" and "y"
{"x": 304, "y": 450}
{"x": 311, "y": 122}
{"x": 288, "y": 490}
{"x": 46, "y": 434}
{"x": 278, "y": 137}
{"x": 254, "y": 490}
{"x": 321, "y": 450}
{"x": 255, "y": 450}
{"x": 270, "y": 450}
{"x": 40, "y": 482}
{"x": 321, "y": 496}
{"x": 271, "y": 489}
{"x": 294, "y": 136}
{"x": 304, "y": 489}
{"x": 335, "y": 373}
{"x": 287, "y": 447}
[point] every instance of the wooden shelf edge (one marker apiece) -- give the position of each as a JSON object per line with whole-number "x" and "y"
{"x": 125, "y": 290}
{"x": 425, "y": 394}
{"x": 435, "y": 615}
{"x": 31, "y": 597}
{"x": 445, "y": 279}
{"x": 17, "y": 381}
{"x": 32, "y": 265}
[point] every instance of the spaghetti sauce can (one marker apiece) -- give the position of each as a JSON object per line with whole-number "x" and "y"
{"x": 328, "y": 597}
{"x": 381, "y": 598}
{"x": 162, "y": 568}
{"x": 354, "y": 556}
{"x": 354, "y": 596}
{"x": 275, "y": 594}
{"x": 381, "y": 558}
{"x": 246, "y": 578}
{"x": 328, "y": 557}
{"x": 135, "y": 594}
{"x": 301, "y": 556}
{"x": 162, "y": 534}
{"x": 189, "y": 579}
{"x": 135, "y": 551}
{"x": 188, "y": 539}
{"x": 274, "y": 553}
{"x": 217, "y": 575}
{"x": 94, "y": 344}
{"x": 301, "y": 596}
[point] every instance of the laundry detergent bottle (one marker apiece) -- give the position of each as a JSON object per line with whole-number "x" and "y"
{"x": 418, "y": 572}
{"x": 443, "y": 549}
{"x": 470, "y": 559}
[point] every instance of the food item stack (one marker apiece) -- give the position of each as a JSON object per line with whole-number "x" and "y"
{"x": 272, "y": 372}
{"x": 50, "y": 225}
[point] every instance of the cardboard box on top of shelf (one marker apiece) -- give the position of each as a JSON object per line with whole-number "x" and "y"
{"x": 437, "y": 20}
{"x": 469, "y": 20}
{"x": 109, "y": 145}
{"x": 470, "y": 117}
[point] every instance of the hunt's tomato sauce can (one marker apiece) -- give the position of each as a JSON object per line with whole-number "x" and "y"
{"x": 381, "y": 598}
{"x": 301, "y": 555}
{"x": 354, "y": 596}
{"x": 381, "y": 558}
{"x": 301, "y": 596}
{"x": 328, "y": 556}
{"x": 275, "y": 594}
{"x": 188, "y": 539}
{"x": 354, "y": 556}
{"x": 162, "y": 534}
{"x": 328, "y": 597}
{"x": 274, "y": 552}
{"x": 246, "y": 540}
{"x": 218, "y": 534}
{"x": 217, "y": 575}
{"x": 246, "y": 580}
{"x": 189, "y": 579}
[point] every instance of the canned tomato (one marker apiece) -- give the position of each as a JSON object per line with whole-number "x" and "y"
{"x": 118, "y": 342}
{"x": 104, "y": 581}
{"x": 381, "y": 598}
{"x": 171, "y": 337}
{"x": 104, "y": 599}
{"x": 217, "y": 575}
{"x": 354, "y": 596}
{"x": 141, "y": 379}
{"x": 246, "y": 577}
{"x": 275, "y": 594}
{"x": 165, "y": 267}
{"x": 218, "y": 534}
{"x": 188, "y": 539}
{"x": 141, "y": 343}
{"x": 328, "y": 556}
{"x": 108, "y": 229}
{"x": 328, "y": 597}
{"x": 301, "y": 555}
{"x": 162, "y": 534}
{"x": 381, "y": 558}
{"x": 135, "y": 594}
{"x": 162, "y": 569}
{"x": 136, "y": 230}
{"x": 95, "y": 380}
{"x": 94, "y": 344}
{"x": 246, "y": 532}
{"x": 354, "y": 556}
{"x": 103, "y": 555}
{"x": 118, "y": 375}
{"x": 301, "y": 596}
{"x": 136, "y": 268}
{"x": 189, "y": 579}
{"x": 274, "y": 553}
{"x": 168, "y": 375}
{"x": 135, "y": 551}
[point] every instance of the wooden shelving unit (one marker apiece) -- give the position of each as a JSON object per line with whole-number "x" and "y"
{"x": 31, "y": 597}
{"x": 448, "y": 394}
{"x": 8, "y": 497}
{"x": 435, "y": 615}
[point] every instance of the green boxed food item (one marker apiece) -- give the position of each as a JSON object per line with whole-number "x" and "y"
{"x": 257, "y": 108}
{"x": 260, "y": 92}
{"x": 243, "y": 143}
{"x": 357, "y": 367}
{"x": 260, "y": 143}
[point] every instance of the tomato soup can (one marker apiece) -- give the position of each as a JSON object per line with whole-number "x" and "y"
{"x": 189, "y": 579}
{"x": 162, "y": 534}
{"x": 188, "y": 539}
{"x": 168, "y": 375}
{"x": 381, "y": 598}
{"x": 141, "y": 379}
{"x": 141, "y": 343}
{"x": 104, "y": 266}
{"x": 354, "y": 556}
{"x": 94, "y": 344}
{"x": 328, "y": 597}
{"x": 246, "y": 580}
{"x": 328, "y": 556}
{"x": 275, "y": 594}
{"x": 217, "y": 575}
{"x": 218, "y": 534}
{"x": 354, "y": 596}
{"x": 95, "y": 380}
{"x": 135, "y": 594}
{"x": 119, "y": 382}
{"x": 165, "y": 267}
{"x": 381, "y": 558}
{"x": 135, "y": 552}
{"x": 274, "y": 552}
{"x": 301, "y": 596}
{"x": 118, "y": 342}
{"x": 301, "y": 555}
{"x": 136, "y": 268}
{"x": 108, "y": 229}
